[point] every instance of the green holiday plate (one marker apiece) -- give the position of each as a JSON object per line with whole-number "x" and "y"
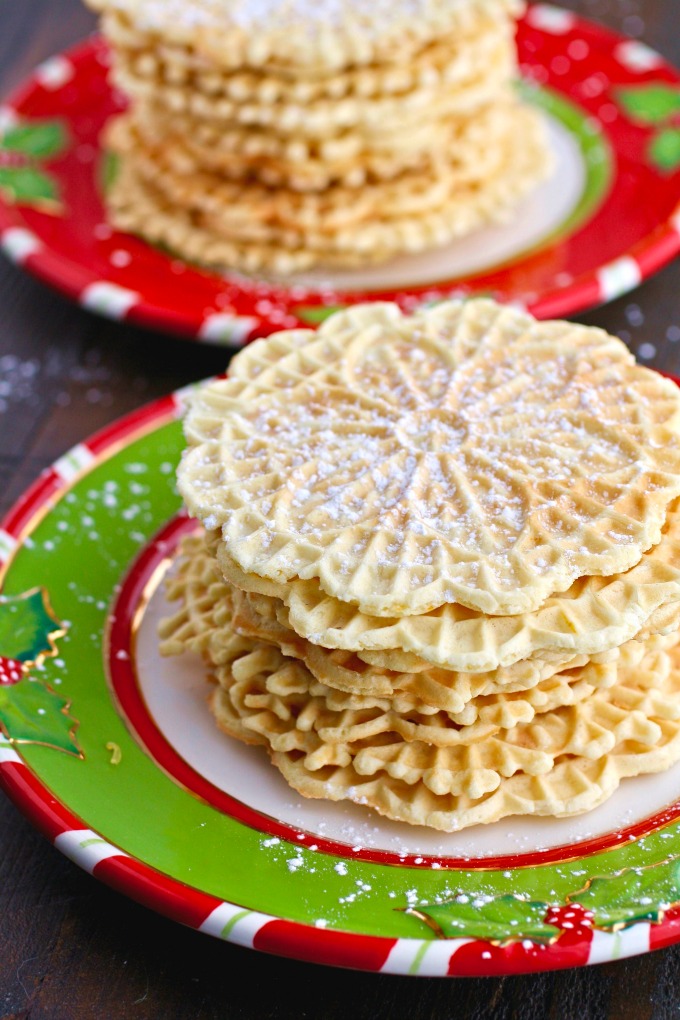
{"x": 111, "y": 751}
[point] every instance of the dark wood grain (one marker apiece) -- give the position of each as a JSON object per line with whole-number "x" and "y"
{"x": 70, "y": 949}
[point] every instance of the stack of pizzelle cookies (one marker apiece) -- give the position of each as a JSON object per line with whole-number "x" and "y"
{"x": 439, "y": 570}
{"x": 270, "y": 135}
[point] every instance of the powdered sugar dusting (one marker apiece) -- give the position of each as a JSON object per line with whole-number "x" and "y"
{"x": 491, "y": 461}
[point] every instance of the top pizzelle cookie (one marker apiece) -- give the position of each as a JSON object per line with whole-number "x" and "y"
{"x": 464, "y": 454}
{"x": 312, "y": 36}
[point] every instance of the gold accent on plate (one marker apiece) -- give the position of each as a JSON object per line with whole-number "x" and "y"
{"x": 53, "y": 636}
{"x": 498, "y": 943}
{"x": 116, "y": 753}
{"x": 622, "y": 925}
{"x": 426, "y": 919}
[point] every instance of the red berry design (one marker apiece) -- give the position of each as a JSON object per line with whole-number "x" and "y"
{"x": 571, "y": 949}
{"x": 572, "y": 917}
{"x": 666, "y": 933}
{"x": 11, "y": 671}
{"x": 480, "y": 959}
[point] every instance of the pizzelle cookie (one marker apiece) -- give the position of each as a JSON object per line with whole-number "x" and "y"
{"x": 138, "y": 205}
{"x": 298, "y": 36}
{"x": 444, "y": 58}
{"x": 345, "y": 670}
{"x": 465, "y": 455}
{"x": 479, "y": 783}
{"x": 241, "y": 210}
{"x": 457, "y": 151}
{"x": 212, "y": 612}
{"x": 323, "y": 118}
{"x": 349, "y": 159}
{"x": 440, "y": 567}
{"x": 399, "y": 120}
{"x": 285, "y": 702}
{"x": 592, "y": 616}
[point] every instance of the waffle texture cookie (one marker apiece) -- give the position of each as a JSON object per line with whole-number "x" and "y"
{"x": 334, "y": 168}
{"x": 438, "y": 572}
{"x": 594, "y": 614}
{"x": 317, "y": 38}
{"x": 276, "y": 137}
{"x": 221, "y": 217}
{"x": 464, "y": 455}
{"x": 445, "y": 59}
{"x": 212, "y": 609}
{"x": 558, "y": 749}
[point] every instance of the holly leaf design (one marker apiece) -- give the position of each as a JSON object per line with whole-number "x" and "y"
{"x": 314, "y": 314}
{"x": 28, "y": 627}
{"x": 649, "y": 104}
{"x": 32, "y": 713}
{"x": 107, "y": 171}
{"x": 39, "y": 140}
{"x": 664, "y": 149}
{"x": 501, "y": 919}
{"x": 27, "y": 185}
{"x": 632, "y": 895}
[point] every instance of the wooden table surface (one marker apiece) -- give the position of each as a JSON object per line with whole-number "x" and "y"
{"x": 71, "y": 948}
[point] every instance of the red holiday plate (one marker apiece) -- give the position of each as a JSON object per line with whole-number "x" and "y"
{"x": 606, "y": 219}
